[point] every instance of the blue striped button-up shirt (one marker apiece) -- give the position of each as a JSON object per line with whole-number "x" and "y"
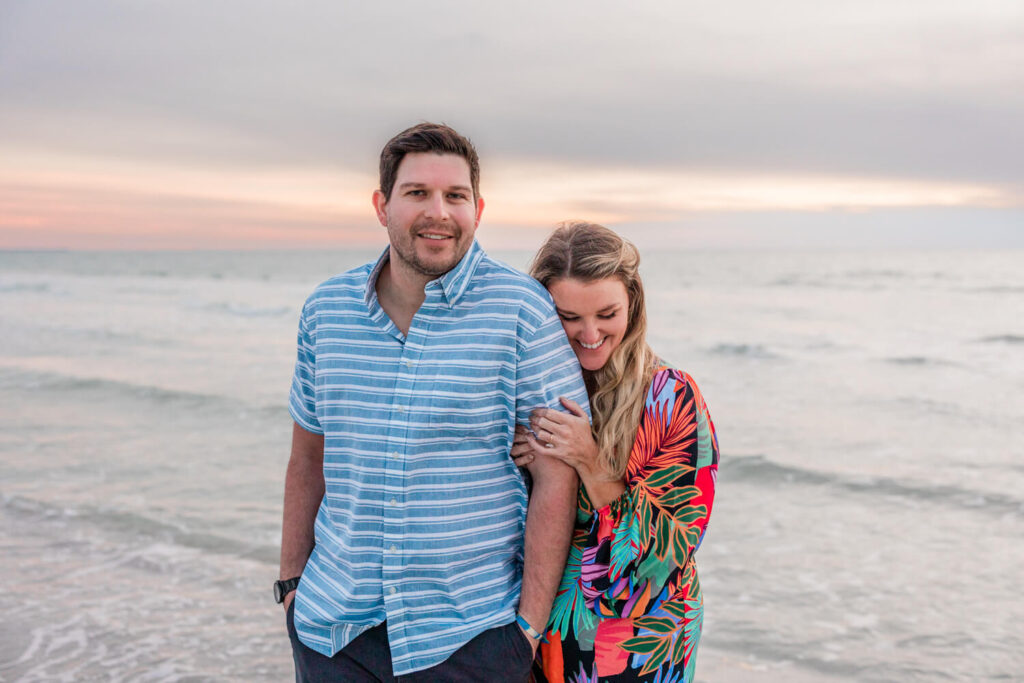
{"x": 422, "y": 520}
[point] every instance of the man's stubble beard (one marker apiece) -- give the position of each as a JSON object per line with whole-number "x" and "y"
{"x": 409, "y": 257}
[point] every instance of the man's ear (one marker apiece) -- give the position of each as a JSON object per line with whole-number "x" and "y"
{"x": 479, "y": 210}
{"x": 380, "y": 204}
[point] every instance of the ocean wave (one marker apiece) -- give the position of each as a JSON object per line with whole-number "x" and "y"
{"x": 48, "y": 381}
{"x": 135, "y": 525}
{"x": 801, "y": 281}
{"x": 879, "y": 273}
{"x": 744, "y": 350}
{"x": 966, "y": 414}
{"x": 996, "y": 289}
{"x": 917, "y": 360}
{"x": 867, "y": 279}
{"x": 106, "y": 336}
{"x": 35, "y": 287}
{"x": 760, "y": 470}
{"x": 1003, "y": 339}
{"x": 244, "y": 311}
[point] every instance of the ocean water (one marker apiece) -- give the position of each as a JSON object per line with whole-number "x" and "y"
{"x": 869, "y": 523}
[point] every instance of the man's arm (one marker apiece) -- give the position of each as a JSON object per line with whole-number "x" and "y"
{"x": 303, "y": 491}
{"x": 546, "y": 369}
{"x": 549, "y": 525}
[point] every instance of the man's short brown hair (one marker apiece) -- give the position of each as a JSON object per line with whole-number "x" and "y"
{"x": 426, "y": 137}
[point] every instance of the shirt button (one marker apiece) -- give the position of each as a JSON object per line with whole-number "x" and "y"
{"x": 394, "y": 548}
{"x": 394, "y": 454}
{"x": 392, "y": 590}
{"x": 394, "y": 501}
{"x": 400, "y": 409}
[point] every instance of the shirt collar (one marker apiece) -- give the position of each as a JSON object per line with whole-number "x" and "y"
{"x": 453, "y": 283}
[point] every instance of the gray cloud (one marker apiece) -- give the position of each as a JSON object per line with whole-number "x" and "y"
{"x": 907, "y": 88}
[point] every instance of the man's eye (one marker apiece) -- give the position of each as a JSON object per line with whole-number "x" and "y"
{"x": 457, "y": 195}
{"x": 416, "y": 193}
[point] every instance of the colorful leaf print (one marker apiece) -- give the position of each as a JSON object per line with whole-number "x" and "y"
{"x": 694, "y": 623}
{"x": 658, "y": 656}
{"x": 641, "y": 644}
{"x": 677, "y": 496}
{"x": 631, "y": 566}
{"x": 666, "y": 476}
{"x": 569, "y": 608}
{"x": 656, "y": 624}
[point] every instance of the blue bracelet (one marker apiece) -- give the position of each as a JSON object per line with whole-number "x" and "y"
{"x": 525, "y": 625}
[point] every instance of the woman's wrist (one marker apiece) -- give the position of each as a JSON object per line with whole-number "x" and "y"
{"x": 601, "y": 488}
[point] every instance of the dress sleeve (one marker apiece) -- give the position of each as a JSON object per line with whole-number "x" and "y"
{"x": 637, "y": 544}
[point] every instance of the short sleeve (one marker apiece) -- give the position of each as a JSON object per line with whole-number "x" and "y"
{"x": 302, "y": 401}
{"x": 547, "y": 368}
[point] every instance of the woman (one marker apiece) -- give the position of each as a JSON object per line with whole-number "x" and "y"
{"x": 629, "y": 606}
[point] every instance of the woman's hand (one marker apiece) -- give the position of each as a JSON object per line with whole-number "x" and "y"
{"x": 565, "y": 436}
{"x": 523, "y": 453}
{"x": 532, "y": 457}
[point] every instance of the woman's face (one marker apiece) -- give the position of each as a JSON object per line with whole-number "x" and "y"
{"x": 594, "y": 316}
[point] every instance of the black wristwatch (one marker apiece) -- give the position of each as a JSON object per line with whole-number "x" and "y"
{"x": 283, "y": 588}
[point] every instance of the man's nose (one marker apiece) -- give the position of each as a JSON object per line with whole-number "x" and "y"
{"x": 436, "y": 207}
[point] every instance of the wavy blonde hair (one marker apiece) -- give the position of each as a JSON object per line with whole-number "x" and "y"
{"x": 589, "y": 252}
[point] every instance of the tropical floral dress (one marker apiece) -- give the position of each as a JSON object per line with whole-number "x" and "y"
{"x": 629, "y": 607}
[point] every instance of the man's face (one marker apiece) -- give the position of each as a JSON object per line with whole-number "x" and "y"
{"x": 432, "y": 215}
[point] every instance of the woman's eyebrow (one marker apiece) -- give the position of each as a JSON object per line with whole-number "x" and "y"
{"x": 606, "y": 309}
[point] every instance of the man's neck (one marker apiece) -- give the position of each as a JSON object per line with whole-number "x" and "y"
{"x": 400, "y": 292}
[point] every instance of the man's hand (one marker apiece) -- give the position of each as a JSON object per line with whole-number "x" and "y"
{"x": 523, "y": 453}
{"x": 534, "y": 643}
{"x": 288, "y": 601}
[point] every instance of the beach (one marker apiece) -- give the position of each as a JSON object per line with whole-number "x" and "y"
{"x": 869, "y": 407}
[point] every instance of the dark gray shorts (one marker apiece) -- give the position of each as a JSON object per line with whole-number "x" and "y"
{"x": 495, "y": 656}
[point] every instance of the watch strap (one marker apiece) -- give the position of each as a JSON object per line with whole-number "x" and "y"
{"x": 525, "y": 625}
{"x": 284, "y": 587}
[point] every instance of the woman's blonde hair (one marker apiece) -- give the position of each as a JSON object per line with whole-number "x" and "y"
{"x": 589, "y": 252}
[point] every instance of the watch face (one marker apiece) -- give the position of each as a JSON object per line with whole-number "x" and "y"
{"x": 278, "y": 592}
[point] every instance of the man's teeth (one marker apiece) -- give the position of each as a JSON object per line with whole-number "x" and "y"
{"x": 435, "y": 237}
{"x": 592, "y": 346}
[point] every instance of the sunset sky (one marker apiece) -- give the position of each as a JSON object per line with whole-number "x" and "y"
{"x": 235, "y": 124}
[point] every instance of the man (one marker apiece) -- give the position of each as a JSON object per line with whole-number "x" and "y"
{"x": 403, "y": 513}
